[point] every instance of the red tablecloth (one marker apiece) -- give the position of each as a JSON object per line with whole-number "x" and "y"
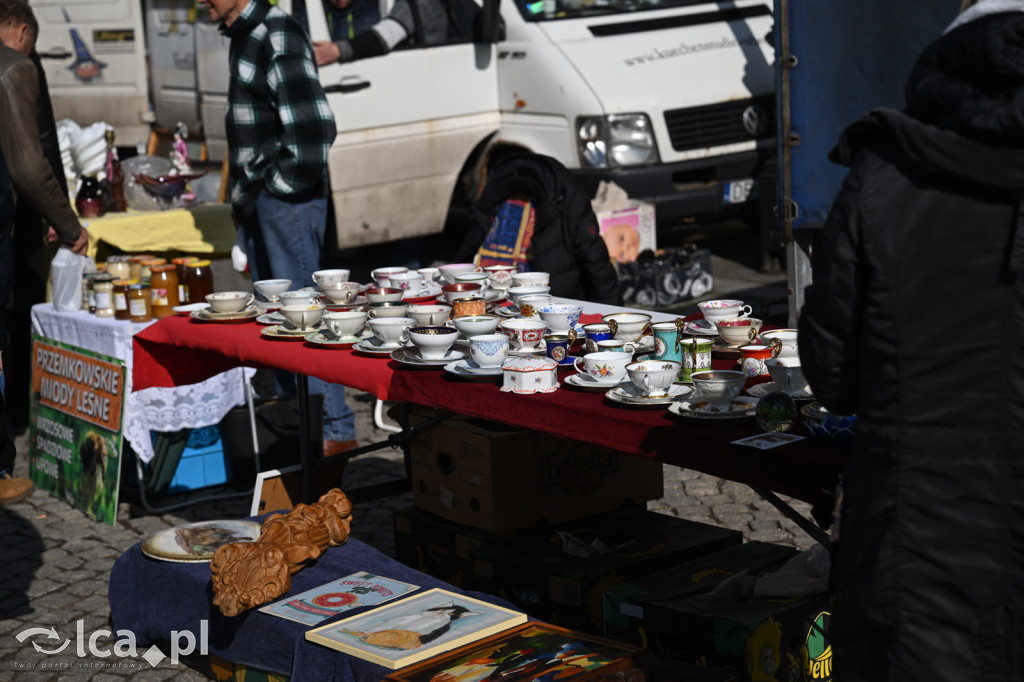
{"x": 177, "y": 351}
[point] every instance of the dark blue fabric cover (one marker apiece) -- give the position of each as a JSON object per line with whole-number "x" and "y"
{"x": 152, "y": 598}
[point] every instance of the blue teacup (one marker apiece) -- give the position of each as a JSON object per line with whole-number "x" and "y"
{"x": 559, "y": 345}
{"x": 596, "y": 332}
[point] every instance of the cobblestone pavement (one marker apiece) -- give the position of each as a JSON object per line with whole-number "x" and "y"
{"x": 57, "y": 560}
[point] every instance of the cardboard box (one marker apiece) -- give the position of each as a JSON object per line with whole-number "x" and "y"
{"x": 629, "y": 231}
{"x": 499, "y": 478}
{"x": 560, "y": 574}
{"x": 677, "y": 614}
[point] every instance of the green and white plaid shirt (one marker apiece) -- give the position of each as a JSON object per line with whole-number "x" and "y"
{"x": 279, "y": 125}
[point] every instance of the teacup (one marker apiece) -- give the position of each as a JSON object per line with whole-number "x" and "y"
{"x": 752, "y": 359}
{"x": 521, "y": 279}
{"x": 391, "y": 332}
{"x": 788, "y": 373}
{"x": 340, "y": 292}
{"x": 409, "y": 281}
{"x": 530, "y": 305}
{"x": 461, "y": 290}
{"x": 476, "y": 325}
{"x": 718, "y": 387}
{"x": 480, "y": 278}
{"x": 469, "y": 305}
{"x": 696, "y": 355}
{"x": 500, "y": 276}
{"x": 433, "y": 342}
{"x": 615, "y": 345}
{"x": 523, "y": 334}
{"x": 488, "y": 350}
{"x": 558, "y": 345}
{"x": 428, "y": 315}
{"x": 783, "y": 341}
{"x": 653, "y": 377}
{"x": 431, "y": 276}
{"x": 737, "y": 331}
{"x": 382, "y": 294}
{"x": 561, "y": 317}
{"x": 388, "y": 309}
{"x": 345, "y": 323}
{"x": 301, "y": 315}
{"x": 527, "y": 290}
{"x": 628, "y": 326}
{"x": 723, "y": 309}
{"x": 449, "y": 270}
{"x": 308, "y": 296}
{"x": 382, "y": 276}
{"x": 271, "y": 288}
{"x": 322, "y": 277}
{"x": 604, "y": 366}
{"x": 596, "y": 332}
{"x": 230, "y": 301}
{"x": 667, "y": 336}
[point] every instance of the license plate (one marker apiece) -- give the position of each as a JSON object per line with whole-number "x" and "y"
{"x": 738, "y": 191}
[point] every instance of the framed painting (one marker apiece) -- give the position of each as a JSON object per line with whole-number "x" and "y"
{"x": 532, "y": 651}
{"x": 415, "y": 628}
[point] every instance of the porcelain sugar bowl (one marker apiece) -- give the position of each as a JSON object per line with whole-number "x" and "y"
{"x": 529, "y": 374}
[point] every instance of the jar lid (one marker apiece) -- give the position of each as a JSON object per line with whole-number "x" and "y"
{"x": 118, "y": 259}
{"x": 142, "y": 257}
{"x": 162, "y": 268}
{"x": 183, "y": 260}
{"x": 125, "y": 282}
{"x": 103, "y": 277}
{"x": 200, "y": 263}
{"x": 154, "y": 261}
{"x": 137, "y": 286}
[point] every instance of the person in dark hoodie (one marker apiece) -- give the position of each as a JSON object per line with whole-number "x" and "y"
{"x": 915, "y": 322}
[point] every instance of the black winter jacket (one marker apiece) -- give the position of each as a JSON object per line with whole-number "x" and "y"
{"x": 915, "y": 322}
{"x": 566, "y": 240}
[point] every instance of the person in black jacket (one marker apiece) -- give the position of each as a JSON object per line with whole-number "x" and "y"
{"x": 566, "y": 241}
{"x": 915, "y": 322}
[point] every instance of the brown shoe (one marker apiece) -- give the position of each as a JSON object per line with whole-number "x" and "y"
{"x": 14, "y": 489}
{"x": 333, "y": 447}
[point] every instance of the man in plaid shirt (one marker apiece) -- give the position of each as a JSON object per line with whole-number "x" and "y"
{"x": 279, "y": 130}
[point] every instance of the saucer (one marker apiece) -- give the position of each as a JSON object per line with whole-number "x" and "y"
{"x": 761, "y": 390}
{"x": 424, "y": 295}
{"x": 411, "y": 356}
{"x": 318, "y": 339}
{"x": 278, "y": 332}
{"x": 271, "y": 318}
{"x": 585, "y": 383}
{"x": 723, "y": 350}
{"x": 356, "y": 302}
{"x": 630, "y": 395}
{"x": 740, "y": 408}
{"x": 539, "y": 349}
{"x": 188, "y": 308}
{"x": 467, "y": 369}
{"x": 208, "y": 316}
{"x": 700, "y": 328}
{"x": 507, "y": 311}
{"x": 373, "y": 346}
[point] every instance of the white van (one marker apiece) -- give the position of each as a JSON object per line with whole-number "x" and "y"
{"x": 671, "y": 99}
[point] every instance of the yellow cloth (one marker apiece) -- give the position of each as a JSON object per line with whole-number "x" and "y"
{"x": 206, "y": 228}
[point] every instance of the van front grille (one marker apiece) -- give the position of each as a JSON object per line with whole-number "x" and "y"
{"x": 723, "y": 123}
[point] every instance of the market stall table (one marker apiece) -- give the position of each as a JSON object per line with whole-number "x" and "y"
{"x": 804, "y": 469}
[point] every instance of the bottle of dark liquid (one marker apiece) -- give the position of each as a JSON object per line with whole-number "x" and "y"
{"x": 115, "y": 177}
{"x": 89, "y": 200}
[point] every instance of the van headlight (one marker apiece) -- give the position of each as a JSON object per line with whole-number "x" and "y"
{"x": 616, "y": 140}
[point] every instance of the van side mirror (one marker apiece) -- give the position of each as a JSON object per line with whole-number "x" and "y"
{"x": 492, "y": 28}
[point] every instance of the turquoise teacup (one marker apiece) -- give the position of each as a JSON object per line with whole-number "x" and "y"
{"x": 667, "y": 336}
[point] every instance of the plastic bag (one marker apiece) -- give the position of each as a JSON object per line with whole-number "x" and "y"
{"x": 66, "y": 273}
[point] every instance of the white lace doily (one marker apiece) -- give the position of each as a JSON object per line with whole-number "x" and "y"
{"x": 153, "y": 409}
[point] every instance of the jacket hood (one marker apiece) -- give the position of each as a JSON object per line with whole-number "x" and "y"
{"x": 965, "y": 107}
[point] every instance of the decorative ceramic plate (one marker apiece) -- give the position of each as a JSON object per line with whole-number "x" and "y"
{"x": 466, "y": 369}
{"x": 198, "y": 541}
{"x": 271, "y": 318}
{"x": 761, "y": 390}
{"x": 279, "y": 332}
{"x": 740, "y": 408}
{"x": 209, "y": 316}
{"x": 327, "y": 340}
{"x": 411, "y": 356}
{"x": 630, "y": 395}
{"x": 373, "y": 346}
{"x": 585, "y": 383}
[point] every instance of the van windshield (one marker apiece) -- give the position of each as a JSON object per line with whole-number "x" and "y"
{"x": 548, "y": 10}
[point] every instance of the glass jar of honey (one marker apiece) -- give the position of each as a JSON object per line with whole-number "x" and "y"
{"x": 119, "y": 267}
{"x": 145, "y": 272}
{"x": 181, "y": 270}
{"x": 199, "y": 279}
{"x": 120, "y": 298}
{"x": 139, "y": 303}
{"x": 135, "y": 265}
{"x": 103, "y": 294}
{"x": 163, "y": 287}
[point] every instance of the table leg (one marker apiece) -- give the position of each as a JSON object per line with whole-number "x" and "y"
{"x": 305, "y": 442}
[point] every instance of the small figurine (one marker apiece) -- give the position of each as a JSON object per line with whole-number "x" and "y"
{"x": 179, "y": 150}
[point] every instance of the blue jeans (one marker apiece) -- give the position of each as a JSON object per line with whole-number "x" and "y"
{"x": 283, "y": 240}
